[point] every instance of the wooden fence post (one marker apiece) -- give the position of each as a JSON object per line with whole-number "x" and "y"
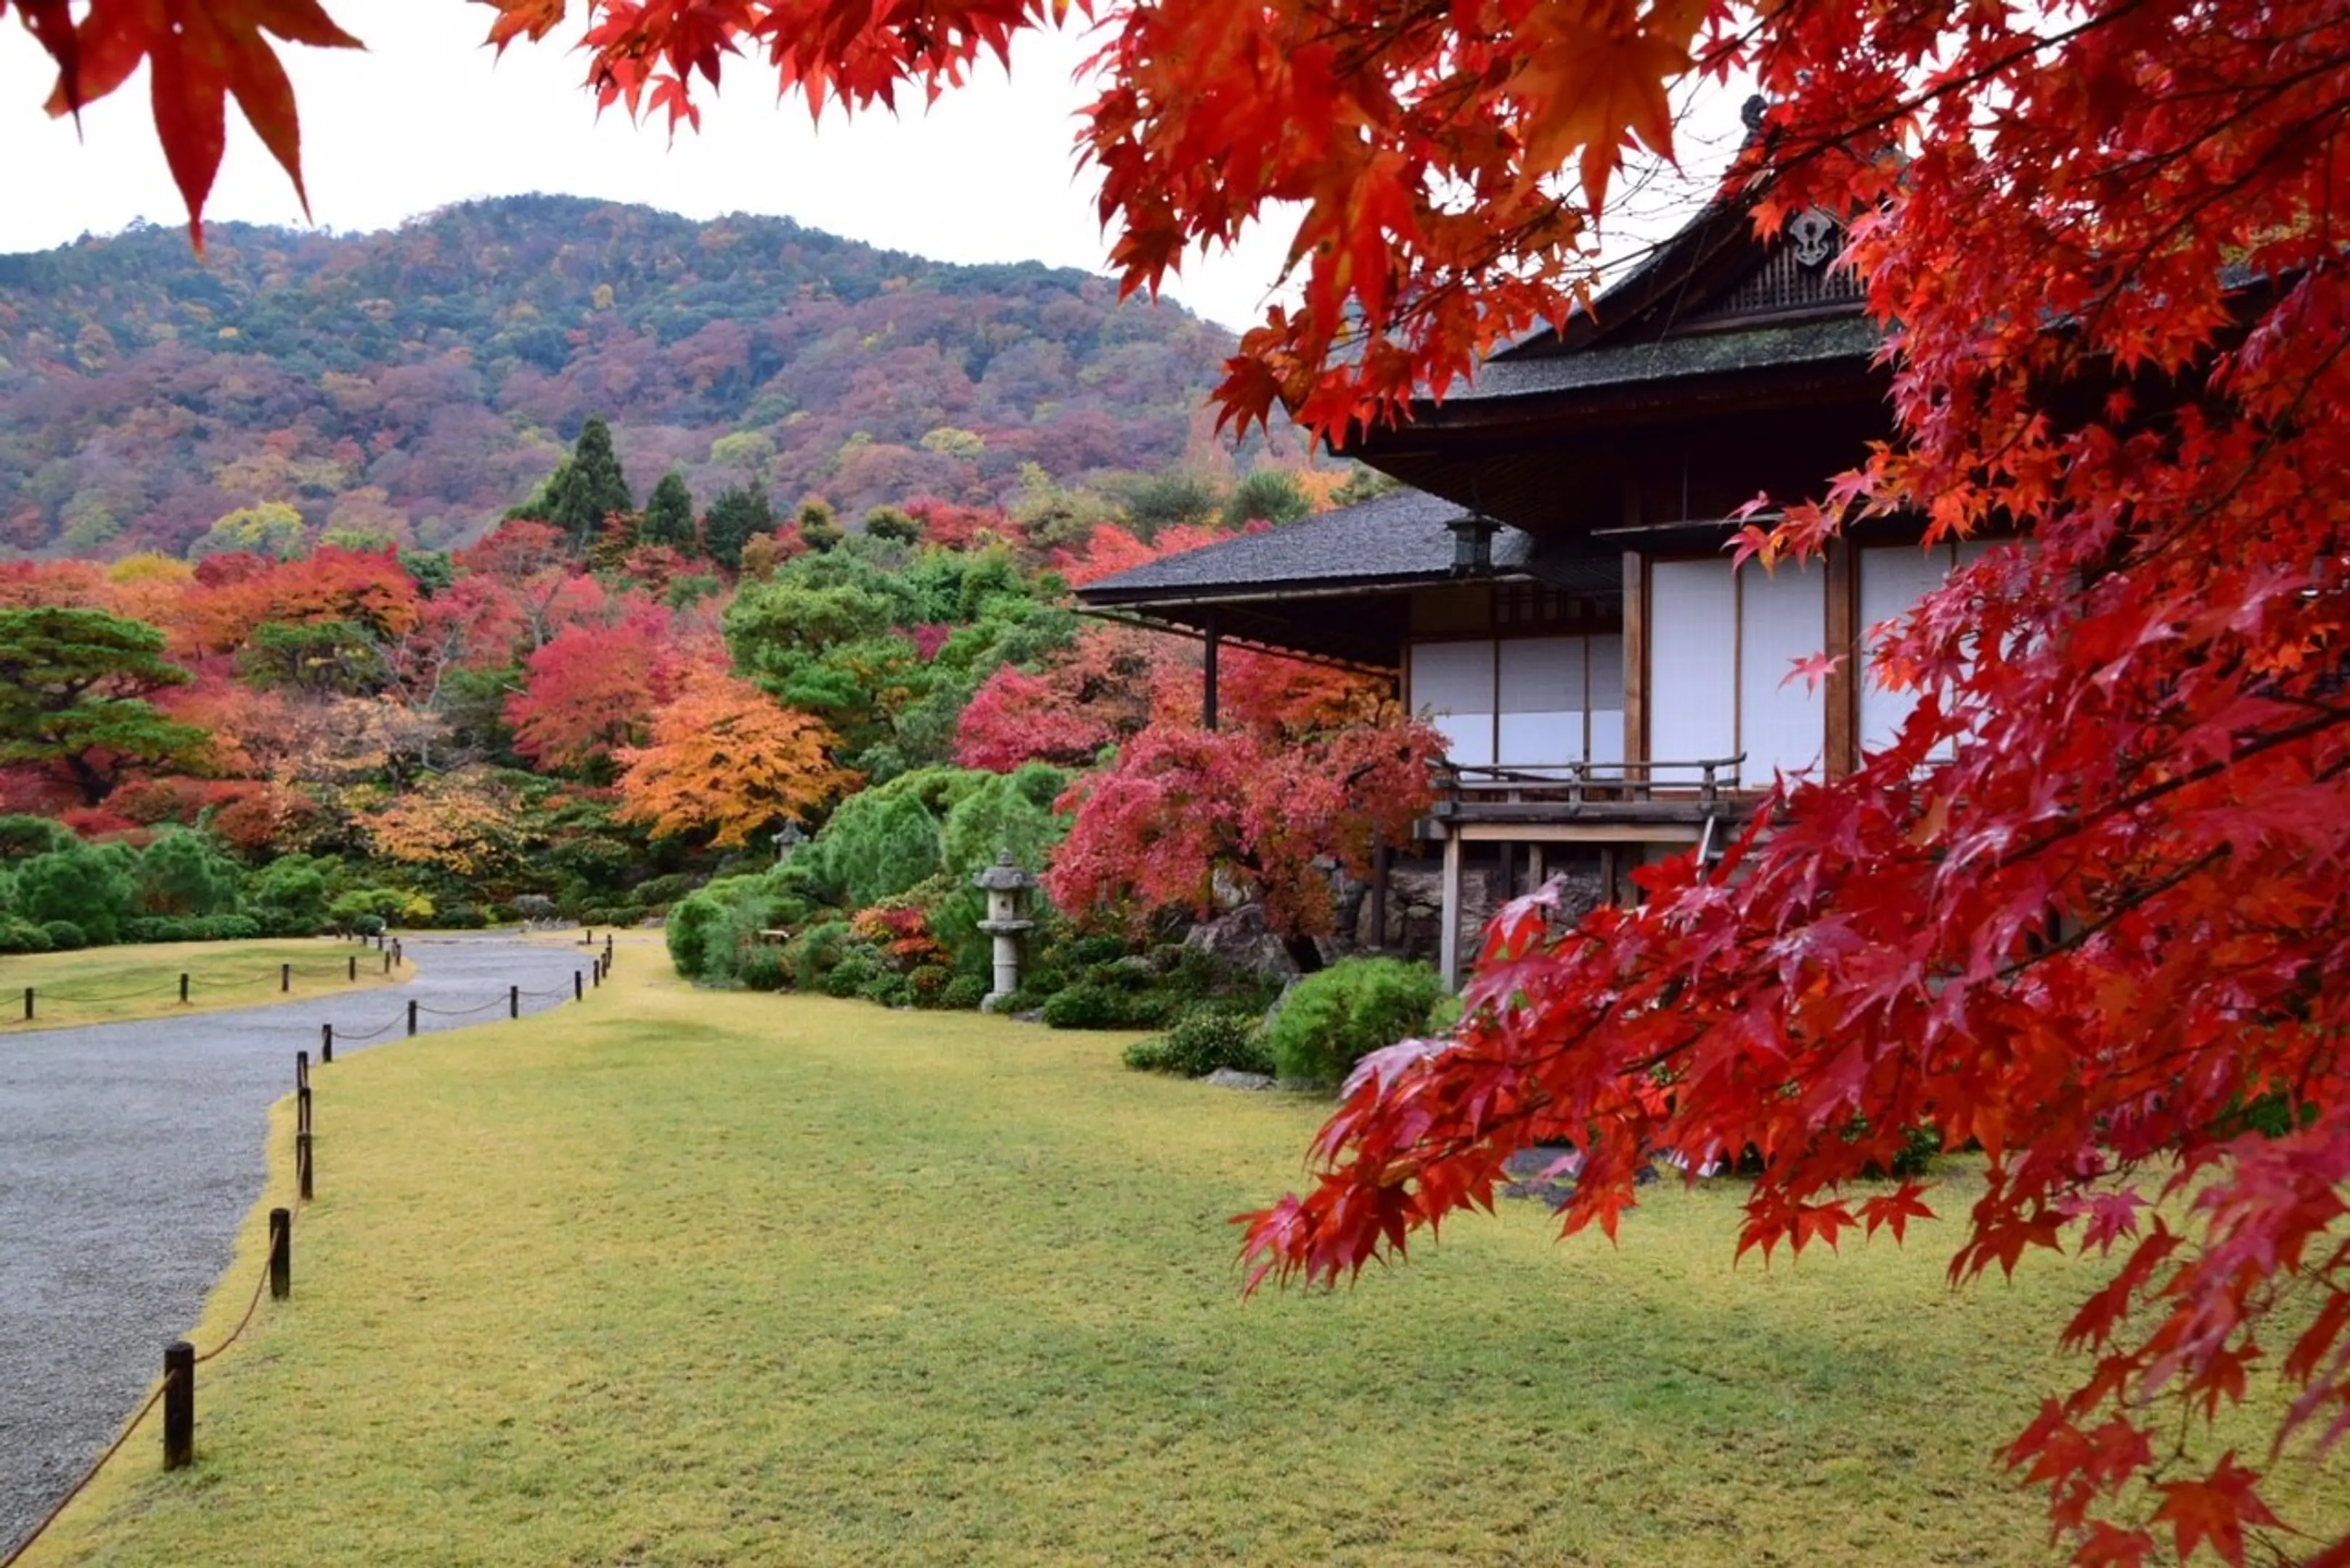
{"x": 353, "y": 973}
{"x": 302, "y": 1162}
{"x": 285, "y": 977}
{"x": 28, "y": 1005}
{"x": 579, "y": 985}
{"x": 183, "y": 991}
{"x": 387, "y": 963}
{"x": 302, "y": 1112}
{"x": 179, "y": 1406}
{"x": 281, "y": 1253}
{"x": 513, "y": 1001}
{"x": 326, "y": 1044}
{"x": 411, "y": 1016}
{"x": 301, "y": 1069}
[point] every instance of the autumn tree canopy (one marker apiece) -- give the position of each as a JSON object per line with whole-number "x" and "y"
{"x": 2106, "y": 941}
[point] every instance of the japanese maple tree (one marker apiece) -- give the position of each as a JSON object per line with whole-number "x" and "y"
{"x": 728, "y": 760}
{"x": 1187, "y": 814}
{"x": 2105, "y": 941}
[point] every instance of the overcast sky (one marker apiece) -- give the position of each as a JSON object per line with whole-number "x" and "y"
{"x": 427, "y": 117}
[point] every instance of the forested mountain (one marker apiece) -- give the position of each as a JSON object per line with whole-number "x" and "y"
{"x": 412, "y": 384}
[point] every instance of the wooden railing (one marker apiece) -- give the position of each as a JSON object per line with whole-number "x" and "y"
{"x": 1575, "y": 784}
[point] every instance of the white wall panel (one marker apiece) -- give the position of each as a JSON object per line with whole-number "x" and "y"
{"x": 1542, "y": 674}
{"x": 1893, "y": 578}
{"x": 1782, "y": 718}
{"x": 1541, "y": 740}
{"x": 1467, "y": 738}
{"x": 1692, "y": 664}
{"x": 1608, "y": 734}
{"x": 1454, "y": 681}
{"x": 1452, "y": 677}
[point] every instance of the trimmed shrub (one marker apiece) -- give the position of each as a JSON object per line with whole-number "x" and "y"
{"x": 1148, "y": 1055}
{"x": 858, "y": 967}
{"x": 64, "y": 936}
{"x": 1336, "y": 1017}
{"x": 965, "y": 992}
{"x": 760, "y": 967}
{"x": 1090, "y": 1004}
{"x": 90, "y": 886}
{"x": 22, "y": 937}
{"x": 1206, "y": 1040}
{"x": 812, "y": 955}
{"x": 928, "y": 982}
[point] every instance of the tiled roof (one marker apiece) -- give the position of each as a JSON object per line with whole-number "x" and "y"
{"x": 1397, "y": 538}
{"x": 1697, "y": 354}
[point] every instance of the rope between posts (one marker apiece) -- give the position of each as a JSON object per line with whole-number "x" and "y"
{"x": 88, "y": 1476}
{"x": 462, "y": 1012}
{"x": 238, "y": 1331}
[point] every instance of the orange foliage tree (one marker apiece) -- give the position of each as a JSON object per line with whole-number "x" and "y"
{"x": 728, "y": 760}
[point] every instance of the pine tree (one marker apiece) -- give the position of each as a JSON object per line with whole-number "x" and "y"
{"x": 668, "y": 515}
{"x": 740, "y": 513}
{"x": 590, "y": 486}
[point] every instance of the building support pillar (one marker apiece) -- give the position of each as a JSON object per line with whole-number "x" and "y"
{"x": 1380, "y": 859}
{"x": 1215, "y": 642}
{"x": 1448, "y": 942}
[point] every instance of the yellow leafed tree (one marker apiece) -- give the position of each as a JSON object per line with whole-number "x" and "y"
{"x": 727, "y": 759}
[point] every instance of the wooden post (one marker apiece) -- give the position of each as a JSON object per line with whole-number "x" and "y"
{"x": 1380, "y": 858}
{"x": 596, "y": 969}
{"x": 1448, "y": 962}
{"x": 354, "y": 961}
{"x": 301, "y": 1069}
{"x": 281, "y": 1253}
{"x": 412, "y": 1016}
{"x": 179, "y": 1406}
{"x": 1537, "y": 867}
{"x": 302, "y": 1111}
{"x": 378, "y": 941}
{"x": 579, "y": 985}
{"x": 183, "y": 991}
{"x": 387, "y": 963}
{"x": 302, "y": 1162}
{"x": 1208, "y": 703}
{"x": 513, "y": 1001}
{"x": 28, "y": 1005}
{"x": 285, "y": 977}
{"x": 326, "y": 1044}
{"x": 399, "y": 954}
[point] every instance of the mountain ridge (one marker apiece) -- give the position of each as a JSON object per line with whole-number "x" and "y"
{"x": 412, "y": 383}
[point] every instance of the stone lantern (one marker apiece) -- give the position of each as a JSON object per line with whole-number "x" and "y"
{"x": 790, "y": 838}
{"x": 1007, "y": 886}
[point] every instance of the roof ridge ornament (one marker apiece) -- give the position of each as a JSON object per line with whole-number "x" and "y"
{"x": 1813, "y": 234}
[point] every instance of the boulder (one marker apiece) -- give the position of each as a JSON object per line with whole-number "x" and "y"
{"x": 1241, "y": 942}
{"x": 1233, "y": 1079}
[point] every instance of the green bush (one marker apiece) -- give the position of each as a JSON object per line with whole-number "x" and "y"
{"x": 965, "y": 992}
{"x": 887, "y": 989}
{"x": 184, "y": 873}
{"x": 1150, "y": 1055}
{"x": 859, "y": 966}
{"x": 928, "y": 982}
{"x": 224, "y": 927}
{"x": 92, "y": 886}
{"x": 812, "y": 954}
{"x": 760, "y": 967}
{"x": 1206, "y": 1040}
{"x": 461, "y": 917}
{"x": 22, "y": 837}
{"x": 1090, "y": 1004}
{"x": 697, "y": 918}
{"x": 18, "y": 936}
{"x": 160, "y": 928}
{"x": 1336, "y": 1017}
{"x": 64, "y": 936}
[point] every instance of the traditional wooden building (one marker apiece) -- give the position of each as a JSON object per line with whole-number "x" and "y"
{"x": 1554, "y": 590}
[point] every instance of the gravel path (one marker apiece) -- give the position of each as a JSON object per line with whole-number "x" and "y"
{"x": 130, "y": 1154}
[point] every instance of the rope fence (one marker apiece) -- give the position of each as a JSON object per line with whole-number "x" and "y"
{"x": 177, "y": 1390}
{"x": 39, "y": 1004}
